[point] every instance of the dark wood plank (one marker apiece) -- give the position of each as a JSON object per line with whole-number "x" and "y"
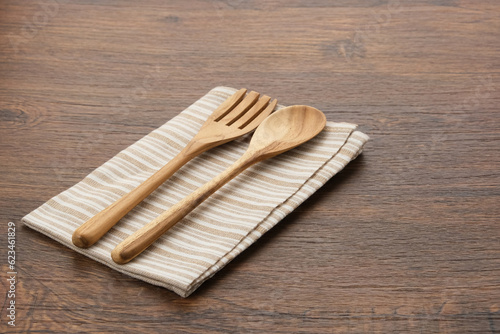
{"x": 405, "y": 239}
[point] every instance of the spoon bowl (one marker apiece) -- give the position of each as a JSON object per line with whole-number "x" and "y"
{"x": 285, "y": 129}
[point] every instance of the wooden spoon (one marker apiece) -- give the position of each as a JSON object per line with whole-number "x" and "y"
{"x": 280, "y": 132}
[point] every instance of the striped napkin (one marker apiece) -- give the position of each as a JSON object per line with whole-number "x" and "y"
{"x": 220, "y": 228}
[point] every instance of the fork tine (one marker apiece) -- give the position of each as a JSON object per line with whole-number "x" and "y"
{"x": 229, "y": 104}
{"x": 252, "y": 124}
{"x": 240, "y": 109}
{"x": 252, "y": 113}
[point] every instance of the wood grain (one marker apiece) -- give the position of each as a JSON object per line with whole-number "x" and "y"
{"x": 405, "y": 239}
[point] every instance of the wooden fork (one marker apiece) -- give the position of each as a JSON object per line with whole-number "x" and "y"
{"x": 235, "y": 117}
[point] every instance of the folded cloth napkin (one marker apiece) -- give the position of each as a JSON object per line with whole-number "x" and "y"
{"x": 220, "y": 228}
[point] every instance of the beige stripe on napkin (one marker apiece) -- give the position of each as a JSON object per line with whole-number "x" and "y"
{"x": 221, "y": 227}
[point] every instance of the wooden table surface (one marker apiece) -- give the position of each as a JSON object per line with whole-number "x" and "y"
{"x": 405, "y": 239}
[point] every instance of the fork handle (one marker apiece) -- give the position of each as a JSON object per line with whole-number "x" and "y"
{"x": 141, "y": 239}
{"x": 93, "y": 229}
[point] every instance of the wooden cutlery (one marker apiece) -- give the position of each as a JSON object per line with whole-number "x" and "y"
{"x": 235, "y": 117}
{"x": 280, "y": 132}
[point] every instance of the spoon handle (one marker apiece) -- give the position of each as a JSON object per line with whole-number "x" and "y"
{"x": 134, "y": 244}
{"x": 94, "y": 228}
